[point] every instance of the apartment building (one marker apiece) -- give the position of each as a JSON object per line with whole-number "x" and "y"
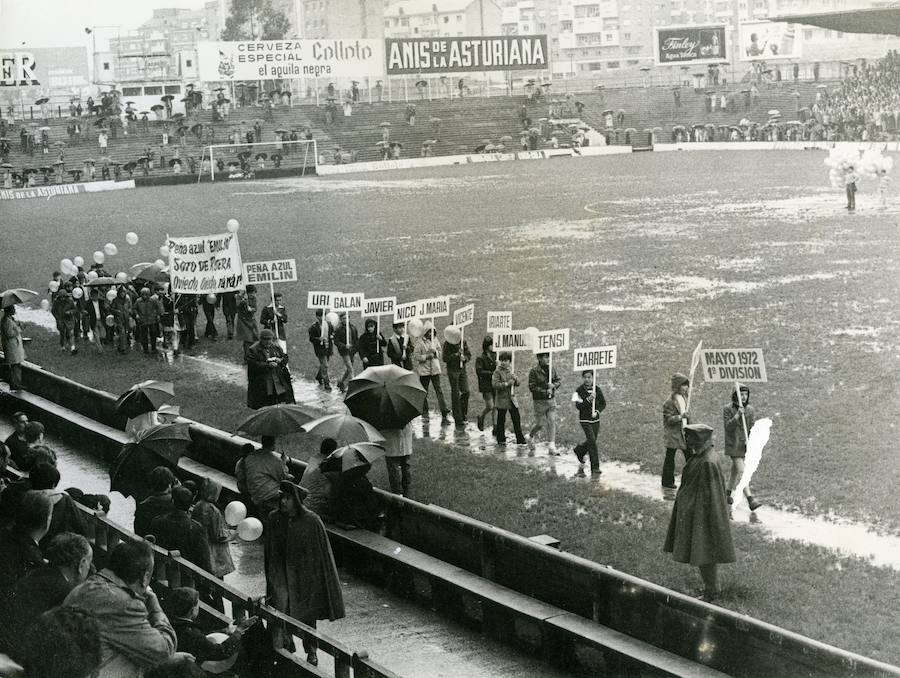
{"x": 441, "y": 18}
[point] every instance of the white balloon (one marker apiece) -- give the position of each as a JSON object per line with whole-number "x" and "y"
{"x": 131, "y": 238}
{"x": 78, "y": 293}
{"x": 92, "y": 275}
{"x": 452, "y": 334}
{"x": 232, "y": 225}
{"x": 531, "y": 336}
{"x": 164, "y": 252}
{"x": 78, "y": 261}
{"x": 415, "y": 328}
{"x": 110, "y": 295}
{"x": 332, "y": 318}
{"x": 110, "y": 249}
{"x": 65, "y": 265}
{"x": 160, "y": 263}
{"x": 45, "y": 305}
{"x": 210, "y": 298}
{"x": 110, "y": 319}
{"x": 235, "y": 512}
{"x": 122, "y": 276}
{"x": 250, "y": 529}
{"x": 99, "y": 257}
{"x": 54, "y": 285}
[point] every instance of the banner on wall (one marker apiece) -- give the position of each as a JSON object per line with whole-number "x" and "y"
{"x": 769, "y": 40}
{"x": 690, "y": 44}
{"x": 474, "y": 53}
{"x": 47, "y": 67}
{"x": 281, "y": 59}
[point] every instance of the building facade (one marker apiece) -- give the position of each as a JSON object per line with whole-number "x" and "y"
{"x": 442, "y": 18}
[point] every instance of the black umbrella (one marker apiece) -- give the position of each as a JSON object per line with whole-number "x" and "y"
{"x": 167, "y": 97}
{"x": 355, "y": 456}
{"x": 275, "y": 420}
{"x": 42, "y": 100}
{"x": 386, "y": 397}
{"x": 169, "y": 441}
{"x": 145, "y": 397}
{"x": 421, "y": 83}
{"x": 262, "y": 156}
{"x": 174, "y": 161}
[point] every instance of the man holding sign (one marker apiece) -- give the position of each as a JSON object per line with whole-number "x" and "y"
{"x": 542, "y": 382}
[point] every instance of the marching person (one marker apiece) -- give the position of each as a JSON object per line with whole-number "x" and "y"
{"x": 589, "y": 401}
{"x": 738, "y": 418}
{"x": 322, "y": 340}
{"x": 427, "y": 359}
{"x": 675, "y": 418}
{"x": 485, "y": 364}
{"x": 850, "y": 179}
{"x": 456, "y": 357}
{"x": 229, "y": 310}
{"x": 400, "y": 348}
{"x": 274, "y": 317}
{"x": 371, "y": 345}
{"x": 346, "y": 347}
{"x": 246, "y": 329}
{"x": 504, "y": 381}
{"x": 699, "y": 529}
{"x": 543, "y": 385}
{"x": 209, "y": 303}
{"x": 120, "y": 309}
{"x": 147, "y": 313}
{"x": 268, "y": 379}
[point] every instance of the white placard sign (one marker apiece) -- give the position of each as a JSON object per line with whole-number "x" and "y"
{"x": 551, "y": 341}
{"x": 348, "y": 301}
{"x": 733, "y": 364}
{"x": 515, "y": 340}
{"x": 277, "y": 271}
{"x": 499, "y": 321}
{"x": 379, "y": 306}
{"x": 403, "y": 313}
{"x": 320, "y": 299}
{"x": 594, "y": 358}
{"x": 436, "y": 307}
{"x": 205, "y": 264}
{"x": 465, "y": 316}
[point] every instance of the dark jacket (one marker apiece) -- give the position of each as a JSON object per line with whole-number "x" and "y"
{"x": 397, "y": 354}
{"x": 452, "y": 353}
{"x": 267, "y": 384}
{"x": 38, "y": 591}
{"x": 540, "y": 384}
{"x": 588, "y": 413}
{"x": 177, "y": 531}
{"x": 340, "y": 340}
{"x": 19, "y": 555}
{"x": 268, "y": 317}
{"x": 323, "y": 342}
{"x": 193, "y": 640}
{"x": 485, "y": 364}
{"x": 147, "y": 510}
{"x": 371, "y": 349}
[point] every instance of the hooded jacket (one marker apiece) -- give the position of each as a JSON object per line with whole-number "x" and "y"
{"x": 735, "y": 439}
{"x": 673, "y": 435}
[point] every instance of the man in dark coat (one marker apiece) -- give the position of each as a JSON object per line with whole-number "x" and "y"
{"x": 700, "y": 529}
{"x": 158, "y": 503}
{"x": 229, "y": 310}
{"x": 301, "y": 577}
{"x": 321, "y": 336}
{"x": 268, "y": 379}
{"x": 177, "y": 531}
{"x": 19, "y": 550}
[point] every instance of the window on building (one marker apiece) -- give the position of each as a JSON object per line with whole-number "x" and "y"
{"x": 840, "y": 35}
{"x": 188, "y": 63}
{"x": 627, "y": 36}
{"x": 105, "y": 65}
{"x": 155, "y": 90}
{"x": 807, "y": 34}
{"x": 459, "y": 18}
{"x": 612, "y": 65}
{"x": 173, "y": 89}
{"x": 415, "y": 29}
{"x": 595, "y": 66}
{"x": 526, "y": 28}
{"x": 131, "y": 91}
{"x": 387, "y": 23}
{"x": 609, "y": 37}
{"x": 446, "y": 20}
{"x": 633, "y": 62}
{"x": 565, "y": 26}
{"x": 542, "y": 27}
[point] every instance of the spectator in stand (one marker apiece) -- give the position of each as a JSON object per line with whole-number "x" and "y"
{"x": 320, "y": 498}
{"x": 207, "y": 514}
{"x": 372, "y": 345}
{"x": 543, "y": 386}
{"x": 66, "y": 516}
{"x": 427, "y": 360}
{"x": 346, "y": 340}
{"x": 176, "y": 667}
{"x": 120, "y": 309}
{"x": 162, "y": 480}
{"x": 398, "y": 448}
{"x": 322, "y": 339}
{"x": 135, "y": 633}
{"x": 258, "y": 473}
{"x": 176, "y": 531}
{"x": 19, "y": 549}
{"x": 184, "y": 606}
{"x": 63, "y": 643}
{"x": 16, "y": 442}
{"x": 485, "y": 365}
{"x": 36, "y": 452}
{"x": 504, "y": 383}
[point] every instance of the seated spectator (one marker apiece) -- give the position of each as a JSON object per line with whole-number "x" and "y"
{"x": 69, "y": 556}
{"x": 66, "y": 515}
{"x": 318, "y": 484}
{"x": 63, "y": 643}
{"x": 161, "y": 482}
{"x": 19, "y": 549}
{"x": 95, "y": 502}
{"x": 176, "y": 667}
{"x": 176, "y": 531}
{"x": 184, "y": 606}
{"x": 207, "y": 514}
{"x": 135, "y": 633}
{"x": 16, "y": 440}
{"x": 35, "y": 451}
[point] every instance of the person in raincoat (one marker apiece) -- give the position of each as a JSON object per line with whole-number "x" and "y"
{"x": 301, "y": 576}
{"x": 210, "y": 517}
{"x": 738, "y": 419}
{"x": 246, "y": 329}
{"x": 700, "y": 528}
{"x": 268, "y": 379}
{"x": 13, "y": 348}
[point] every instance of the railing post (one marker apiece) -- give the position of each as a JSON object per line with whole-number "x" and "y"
{"x": 342, "y": 665}
{"x": 488, "y": 560}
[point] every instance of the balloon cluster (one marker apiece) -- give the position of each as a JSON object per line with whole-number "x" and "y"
{"x": 842, "y": 161}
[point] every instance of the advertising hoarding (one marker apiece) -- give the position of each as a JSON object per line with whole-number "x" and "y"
{"x": 769, "y": 40}
{"x": 50, "y": 68}
{"x": 472, "y": 53}
{"x": 690, "y": 44}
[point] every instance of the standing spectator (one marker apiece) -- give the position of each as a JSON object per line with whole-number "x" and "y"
{"x": 400, "y": 348}
{"x": 347, "y": 343}
{"x": 738, "y": 419}
{"x": 427, "y": 360}
{"x": 699, "y": 529}
{"x": 850, "y": 179}
{"x": 258, "y": 473}
{"x": 274, "y": 317}
{"x": 543, "y": 385}
{"x": 795, "y": 70}
{"x": 322, "y": 340}
{"x": 147, "y": 312}
{"x": 320, "y": 499}
{"x": 816, "y": 71}
{"x": 229, "y": 310}
{"x": 246, "y": 329}
{"x": 457, "y": 357}
{"x": 66, "y": 516}
{"x": 675, "y": 418}
{"x": 16, "y": 442}
{"x": 135, "y": 633}
{"x": 398, "y": 447}
{"x": 12, "y": 345}
{"x": 210, "y": 517}
{"x": 268, "y": 379}
{"x": 884, "y": 181}
{"x": 176, "y": 531}
{"x": 301, "y": 577}
{"x": 159, "y": 502}
{"x": 504, "y": 383}
{"x": 95, "y": 311}
{"x": 210, "y": 303}
{"x": 120, "y": 309}
{"x": 371, "y": 345}
{"x": 589, "y": 401}
{"x": 485, "y": 365}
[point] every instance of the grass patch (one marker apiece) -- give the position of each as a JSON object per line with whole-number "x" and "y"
{"x": 779, "y": 582}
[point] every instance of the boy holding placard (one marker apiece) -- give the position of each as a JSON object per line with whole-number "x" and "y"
{"x": 675, "y": 418}
{"x": 543, "y": 384}
{"x": 738, "y": 420}
{"x": 589, "y": 401}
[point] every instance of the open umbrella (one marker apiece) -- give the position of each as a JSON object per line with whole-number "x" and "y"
{"x": 149, "y": 272}
{"x": 386, "y": 396}
{"x": 17, "y": 295}
{"x": 219, "y": 89}
{"x": 421, "y": 83}
{"x": 174, "y": 161}
{"x": 262, "y": 156}
{"x": 384, "y": 124}
{"x": 344, "y": 427}
{"x": 145, "y": 397}
{"x": 42, "y": 100}
{"x": 102, "y": 281}
{"x": 275, "y": 420}
{"x": 157, "y": 107}
{"x": 169, "y": 441}
{"x": 351, "y": 457}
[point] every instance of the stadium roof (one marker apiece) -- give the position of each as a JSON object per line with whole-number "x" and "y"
{"x": 880, "y": 20}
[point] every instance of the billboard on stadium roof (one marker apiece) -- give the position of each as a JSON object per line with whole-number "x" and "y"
{"x": 769, "y": 40}
{"x": 283, "y": 59}
{"x": 50, "y": 68}
{"x": 690, "y": 44}
{"x": 473, "y": 53}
